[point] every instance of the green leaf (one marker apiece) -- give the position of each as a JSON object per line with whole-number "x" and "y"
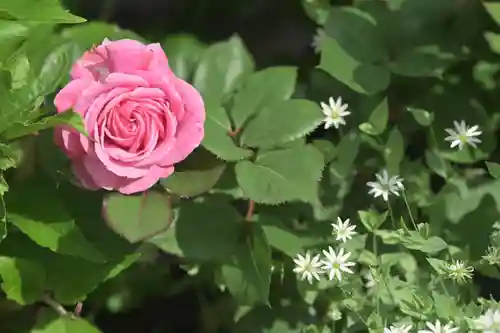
{"x": 445, "y": 305}
{"x": 220, "y": 68}
{"x": 493, "y": 9}
{"x": 138, "y": 217}
{"x": 364, "y": 78}
{"x": 327, "y": 148}
{"x": 372, "y": 220}
{"x": 394, "y": 151}
{"x": 47, "y": 222}
{"x": 195, "y": 175}
{"x": 430, "y": 245}
{"x": 12, "y": 33}
{"x": 422, "y": 117}
{"x": 493, "y": 169}
{"x": 347, "y": 151}
{"x": 438, "y": 164}
{"x": 317, "y": 10}
{"x": 10, "y": 155}
{"x": 50, "y": 322}
{"x": 3, "y": 214}
{"x": 217, "y": 139}
{"x": 23, "y": 281}
{"x": 279, "y": 236}
{"x": 69, "y": 118}
{"x": 208, "y": 230}
{"x": 356, "y": 32}
{"x": 183, "y": 54}
{"x": 281, "y": 122}
{"x": 262, "y": 89}
{"x": 39, "y": 11}
{"x": 378, "y": 119}
{"x": 248, "y": 277}
{"x": 422, "y": 62}
{"x": 282, "y": 175}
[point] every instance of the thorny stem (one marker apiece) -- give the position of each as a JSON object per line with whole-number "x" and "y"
{"x": 250, "y": 211}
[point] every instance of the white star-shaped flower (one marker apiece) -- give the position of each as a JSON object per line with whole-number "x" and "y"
{"x": 308, "y": 266}
{"x": 343, "y": 230}
{"x": 398, "y": 329}
{"x": 336, "y": 263}
{"x": 385, "y": 185}
{"x": 463, "y": 135}
{"x": 334, "y": 112}
{"x": 437, "y": 327}
{"x": 489, "y": 322}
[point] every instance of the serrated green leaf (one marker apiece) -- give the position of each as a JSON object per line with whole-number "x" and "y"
{"x": 197, "y": 174}
{"x": 281, "y": 122}
{"x": 364, "y": 78}
{"x": 183, "y": 54}
{"x": 69, "y": 118}
{"x": 39, "y": 11}
{"x": 50, "y": 322}
{"x": 262, "y": 89}
{"x": 394, "y": 151}
{"x": 372, "y": 220}
{"x": 12, "y": 33}
{"x": 248, "y": 276}
{"x": 377, "y": 121}
{"x": 137, "y": 217}
{"x": 217, "y": 139}
{"x": 23, "y": 281}
{"x": 220, "y": 68}
{"x": 493, "y": 169}
{"x": 282, "y": 175}
{"x": 356, "y": 32}
{"x": 47, "y": 222}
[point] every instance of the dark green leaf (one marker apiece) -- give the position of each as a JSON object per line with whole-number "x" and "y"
{"x": 50, "y": 322}
{"x": 39, "y": 11}
{"x": 377, "y": 121}
{"x": 137, "y": 217}
{"x": 23, "y": 280}
{"x": 183, "y": 54}
{"x": 493, "y": 169}
{"x": 394, "y": 151}
{"x": 372, "y": 220}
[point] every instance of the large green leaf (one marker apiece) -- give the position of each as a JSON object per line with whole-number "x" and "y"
{"x": 12, "y": 33}
{"x": 248, "y": 276}
{"x": 422, "y": 62}
{"x": 39, "y": 11}
{"x": 208, "y": 230}
{"x": 220, "y": 68}
{"x": 394, "y": 151}
{"x": 36, "y": 209}
{"x": 281, "y": 122}
{"x": 217, "y": 138}
{"x": 363, "y": 78}
{"x": 23, "y": 280}
{"x": 262, "y": 89}
{"x": 137, "y": 217}
{"x": 282, "y": 175}
{"x": 279, "y": 236}
{"x": 195, "y": 175}
{"x": 183, "y": 54}
{"x": 356, "y": 32}
{"x": 50, "y": 322}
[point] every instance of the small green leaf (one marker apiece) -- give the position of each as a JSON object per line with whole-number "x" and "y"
{"x": 281, "y": 122}
{"x": 438, "y": 164}
{"x": 422, "y": 62}
{"x": 248, "y": 277}
{"x": 445, "y": 305}
{"x": 327, "y": 148}
{"x": 217, "y": 139}
{"x": 493, "y": 9}
{"x": 279, "y": 236}
{"x": 50, "y": 322}
{"x": 493, "y": 169}
{"x": 282, "y": 175}
{"x": 137, "y": 217}
{"x": 364, "y": 78}
{"x": 69, "y": 118}
{"x": 317, "y": 10}
{"x": 356, "y": 32}
{"x": 372, "y": 220}
{"x": 47, "y": 222}
{"x": 262, "y": 89}
{"x": 347, "y": 151}
{"x": 183, "y": 54}
{"x": 394, "y": 151}
{"x": 208, "y": 230}
{"x": 195, "y": 175}
{"x": 377, "y": 121}
{"x": 49, "y": 11}
{"x": 422, "y": 117}
{"x": 220, "y": 68}
{"x": 23, "y": 281}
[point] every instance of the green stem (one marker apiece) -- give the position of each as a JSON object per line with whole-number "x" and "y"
{"x": 409, "y": 210}
{"x": 392, "y": 215}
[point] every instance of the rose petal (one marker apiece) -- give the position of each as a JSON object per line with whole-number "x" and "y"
{"x": 69, "y": 141}
{"x": 66, "y": 98}
{"x": 99, "y": 173}
{"x": 128, "y": 55}
{"x": 146, "y": 182}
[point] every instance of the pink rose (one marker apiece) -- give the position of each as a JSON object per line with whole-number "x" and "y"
{"x": 141, "y": 119}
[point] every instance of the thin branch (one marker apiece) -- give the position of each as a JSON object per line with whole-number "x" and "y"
{"x": 54, "y": 305}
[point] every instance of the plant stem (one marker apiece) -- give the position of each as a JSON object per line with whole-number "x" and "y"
{"x": 250, "y": 211}
{"x": 56, "y": 306}
{"x": 409, "y": 210}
